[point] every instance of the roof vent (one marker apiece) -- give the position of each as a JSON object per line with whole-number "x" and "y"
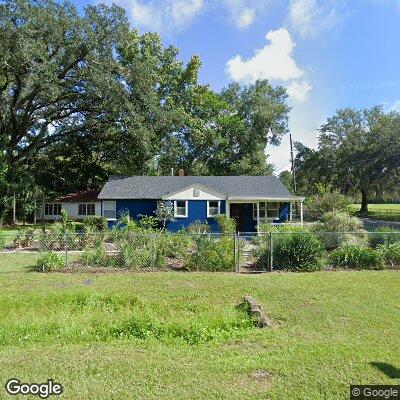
{"x": 196, "y": 192}
{"x": 181, "y": 172}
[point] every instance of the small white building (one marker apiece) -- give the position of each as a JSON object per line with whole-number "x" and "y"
{"x": 78, "y": 206}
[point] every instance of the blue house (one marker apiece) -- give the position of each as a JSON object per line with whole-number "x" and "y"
{"x": 250, "y": 200}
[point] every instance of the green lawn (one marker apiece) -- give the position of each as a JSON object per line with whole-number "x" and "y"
{"x": 384, "y": 211}
{"x": 179, "y": 336}
{"x": 378, "y": 207}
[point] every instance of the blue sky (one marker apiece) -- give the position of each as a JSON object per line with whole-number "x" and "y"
{"x": 329, "y": 54}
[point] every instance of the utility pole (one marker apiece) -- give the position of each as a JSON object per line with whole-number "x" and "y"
{"x": 292, "y": 159}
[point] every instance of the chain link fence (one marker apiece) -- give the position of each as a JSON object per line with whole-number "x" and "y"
{"x": 309, "y": 251}
{"x": 121, "y": 249}
{"x": 236, "y": 252}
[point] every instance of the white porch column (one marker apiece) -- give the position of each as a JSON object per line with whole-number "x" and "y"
{"x": 291, "y": 212}
{"x": 228, "y": 209}
{"x": 301, "y": 212}
{"x": 258, "y": 217}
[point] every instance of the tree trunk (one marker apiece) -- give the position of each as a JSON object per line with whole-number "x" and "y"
{"x": 364, "y": 202}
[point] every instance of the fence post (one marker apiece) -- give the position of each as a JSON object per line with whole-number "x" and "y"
{"x": 234, "y": 251}
{"x": 271, "y": 252}
{"x": 238, "y": 252}
{"x": 66, "y": 250}
{"x": 153, "y": 264}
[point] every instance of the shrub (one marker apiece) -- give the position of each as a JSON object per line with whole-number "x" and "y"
{"x": 95, "y": 257}
{"x": 326, "y": 201}
{"x": 148, "y": 223}
{"x": 225, "y": 224}
{"x": 390, "y": 253}
{"x": 297, "y": 251}
{"x": 339, "y": 228}
{"x": 174, "y": 245}
{"x": 145, "y": 256}
{"x": 198, "y": 227}
{"x": 356, "y": 257}
{"x": 95, "y": 224}
{"x": 383, "y": 235}
{"x": 48, "y": 262}
{"x": 212, "y": 255}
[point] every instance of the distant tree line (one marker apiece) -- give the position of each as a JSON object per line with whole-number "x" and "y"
{"x": 358, "y": 154}
{"x": 85, "y": 96}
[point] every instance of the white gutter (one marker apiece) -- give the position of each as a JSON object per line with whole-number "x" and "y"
{"x": 265, "y": 198}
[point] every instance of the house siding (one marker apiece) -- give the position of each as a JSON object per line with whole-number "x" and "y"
{"x": 197, "y": 210}
{"x": 136, "y": 207}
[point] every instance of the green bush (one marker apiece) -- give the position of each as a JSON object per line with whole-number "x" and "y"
{"x": 383, "y": 235}
{"x": 296, "y": 251}
{"x": 148, "y": 255}
{"x": 356, "y": 257}
{"x": 48, "y": 262}
{"x": 212, "y": 255}
{"x": 198, "y": 227}
{"x": 174, "y": 245}
{"x": 94, "y": 257}
{"x": 326, "y": 201}
{"x": 390, "y": 253}
{"x": 340, "y": 228}
{"x": 225, "y": 224}
{"x": 95, "y": 224}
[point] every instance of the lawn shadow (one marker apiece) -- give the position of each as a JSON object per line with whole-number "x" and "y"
{"x": 389, "y": 370}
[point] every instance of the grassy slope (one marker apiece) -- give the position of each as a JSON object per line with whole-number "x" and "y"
{"x": 329, "y": 329}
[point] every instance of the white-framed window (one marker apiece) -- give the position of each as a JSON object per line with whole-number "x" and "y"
{"x": 262, "y": 211}
{"x": 180, "y": 208}
{"x": 52, "y": 209}
{"x": 268, "y": 210}
{"x": 273, "y": 210}
{"x": 109, "y": 210}
{"x": 86, "y": 209}
{"x": 213, "y": 208}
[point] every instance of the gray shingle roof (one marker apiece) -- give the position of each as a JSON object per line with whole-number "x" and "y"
{"x": 156, "y": 187}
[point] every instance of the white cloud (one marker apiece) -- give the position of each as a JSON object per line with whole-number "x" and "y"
{"x": 170, "y": 15}
{"x": 246, "y": 18}
{"x": 274, "y": 62}
{"x": 243, "y": 12}
{"x": 298, "y": 90}
{"x": 184, "y": 10}
{"x": 310, "y": 17}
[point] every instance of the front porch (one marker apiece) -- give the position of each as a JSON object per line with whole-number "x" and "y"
{"x": 249, "y": 214}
